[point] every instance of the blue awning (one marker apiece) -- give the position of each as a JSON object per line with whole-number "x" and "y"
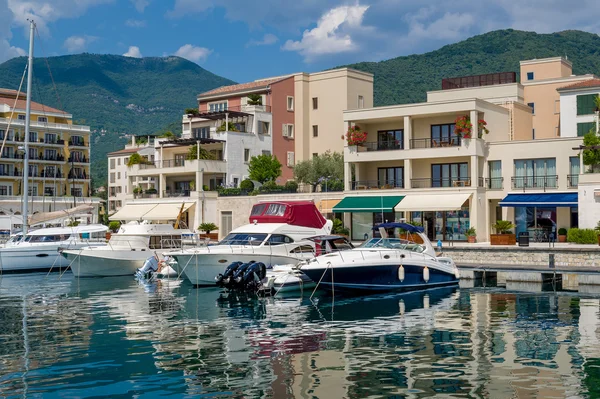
{"x": 540, "y": 200}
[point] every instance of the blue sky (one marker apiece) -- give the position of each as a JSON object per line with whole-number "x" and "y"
{"x": 246, "y": 40}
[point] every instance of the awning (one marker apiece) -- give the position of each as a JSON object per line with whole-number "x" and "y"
{"x": 540, "y": 200}
{"x": 326, "y": 205}
{"x": 42, "y": 217}
{"x": 167, "y": 211}
{"x": 132, "y": 212}
{"x": 372, "y": 203}
{"x": 432, "y": 202}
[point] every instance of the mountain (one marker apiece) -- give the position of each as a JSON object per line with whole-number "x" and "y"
{"x": 406, "y": 79}
{"x": 115, "y": 95}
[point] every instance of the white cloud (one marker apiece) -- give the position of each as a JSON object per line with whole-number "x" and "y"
{"x": 267, "y": 40}
{"x": 46, "y": 11}
{"x": 134, "y": 51}
{"x": 332, "y": 34}
{"x": 7, "y": 51}
{"x": 135, "y": 23}
{"x": 76, "y": 44}
{"x": 140, "y": 5}
{"x": 193, "y": 53}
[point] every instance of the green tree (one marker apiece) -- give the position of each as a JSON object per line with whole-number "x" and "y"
{"x": 329, "y": 165}
{"x": 168, "y": 134}
{"x": 191, "y": 111}
{"x": 135, "y": 159}
{"x": 204, "y": 153}
{"x": 254, "y": 99}
{"x": 263, "y": 168}
{"x": 230, "y": 127}
{"x": 591, "y": 155}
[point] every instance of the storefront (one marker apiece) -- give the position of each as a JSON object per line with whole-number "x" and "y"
{"x": 367, "y": 211}
{"x": 540, "y": 214}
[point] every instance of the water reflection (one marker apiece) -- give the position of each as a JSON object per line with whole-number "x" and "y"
{"x": 114, "y": 336}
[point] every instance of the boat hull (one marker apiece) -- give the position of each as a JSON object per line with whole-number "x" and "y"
{"x": 378, "y": 278}
{"x": 105, "y": 263}
{"x": 39, "y": 258}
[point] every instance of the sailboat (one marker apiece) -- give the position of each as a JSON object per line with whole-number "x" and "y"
{"x": 39, "y": 250}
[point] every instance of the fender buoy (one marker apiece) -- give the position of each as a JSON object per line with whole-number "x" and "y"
{"x": 456, "y": 273}
{"x": 426, "y": 274}
{"x": 401, "y": 273}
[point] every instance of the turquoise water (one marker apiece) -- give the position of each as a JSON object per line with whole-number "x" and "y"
{"x": 94, "y": 338}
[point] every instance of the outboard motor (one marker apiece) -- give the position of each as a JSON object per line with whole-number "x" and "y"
{"x": 254, "y": 275}
{"x": 223, "y": 279}
{"x": 149, "y": 269}
{"x": 237, "y": 277}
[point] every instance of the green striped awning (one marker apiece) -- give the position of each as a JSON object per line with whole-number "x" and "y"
{"x": 371, "y": 203}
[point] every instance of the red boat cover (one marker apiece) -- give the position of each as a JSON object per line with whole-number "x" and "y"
{"x": 298, "y": 213}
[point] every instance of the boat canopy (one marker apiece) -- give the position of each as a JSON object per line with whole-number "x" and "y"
{"x": 84, "y": 228}
{"x": 42, "y": 217}
{"x": 165, "y": 211}
{"x": 404, "y": 226}
{"x": 297, "y": 213}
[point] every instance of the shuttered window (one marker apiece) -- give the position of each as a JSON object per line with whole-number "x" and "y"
{"x": 585, "y": 104}
{"x": 585, "y": 127}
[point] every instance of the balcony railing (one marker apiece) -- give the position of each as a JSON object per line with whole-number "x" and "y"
{"x": 492, "y": 183}
{"x": 170, "y": 163}
{"x": 176, "y": 193}
{"x": 78, "y": 159}
{"x": 63, "y": 126}
{"x": 377, "y": 184}
{"x": 77, "y": 143}
{"x": 78, "y": 176}
{"x": 572, "y": 181}
{"x": 236, "y": 108}
{"x": 453, "y": 141}
{"x": 535, "y": 182}
{"x": 384, "y": 146}
{"x": 440, "y": 182}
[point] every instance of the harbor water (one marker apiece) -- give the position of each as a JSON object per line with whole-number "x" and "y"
{"x": 115, "y": 337}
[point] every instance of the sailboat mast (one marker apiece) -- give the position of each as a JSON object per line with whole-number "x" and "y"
{"x": 25, "y": 192}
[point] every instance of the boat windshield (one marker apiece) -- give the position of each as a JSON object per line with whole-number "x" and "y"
{"x": 48, "y": 238}
{"x": 15, "y": 239}
{"x": 254, "y": 239}
{"x": 393, "y": 243}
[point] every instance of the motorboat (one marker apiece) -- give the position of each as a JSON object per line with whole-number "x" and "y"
{"x": 384, "y": 264}
{"x": 127, "y": 250}
{"x": 38, "y": 250}
{"x": 277, "y": 234}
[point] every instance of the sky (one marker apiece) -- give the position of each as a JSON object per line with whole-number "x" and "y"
{"x": 245, "y": 40}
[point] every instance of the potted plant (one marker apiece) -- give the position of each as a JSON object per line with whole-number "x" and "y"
{"x": 504, "y": 234}
{"x": 339, "y": 229}
{"x": 355, "y": 137}
{"x": 137, "y": 191}
{"x": 598, "y": 231}
{"x": 464, "y": 128}
{"x": 562, "y": 235}
{"x": 113, "y": 227}
{"x": 471, "y": 235}
{"x": 207, "y": 227}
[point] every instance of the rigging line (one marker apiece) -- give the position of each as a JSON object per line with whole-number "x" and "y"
{"x": 12, "y": 113}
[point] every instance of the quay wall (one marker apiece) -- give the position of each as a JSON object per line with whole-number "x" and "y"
{"x": 524, "y": 257}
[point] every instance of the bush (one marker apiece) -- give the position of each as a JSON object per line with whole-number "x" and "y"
{"x": 229, "y": 192}
{"x": 151, "y": 191}
{"x": 562, "y": 231}
{"x": 114, "y": 226}
{"x": 207, "y": 227}
{"x": 333, "y": 185}
{"x": 269, "y": 185}
{"x": 247, "y": 185}
{"x": 582, "y": 236}
{"x": 338, "y": 228}
{"x": 291, "y": 186}
{"x": 205, "y": 188}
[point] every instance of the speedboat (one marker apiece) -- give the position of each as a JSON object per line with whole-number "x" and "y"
{"x": 276, "y": 235}
{"x": 384, "y": 264}
{"x": 127, "y": 250}
{"x": 38, "y": 250}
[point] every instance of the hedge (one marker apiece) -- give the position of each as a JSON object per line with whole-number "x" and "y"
{"x": 582, "y": 236}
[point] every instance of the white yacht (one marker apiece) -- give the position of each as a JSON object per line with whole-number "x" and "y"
{"x": 38, "y": 250}
{"x": 126, "y": 251}
{"x": 277, "y": 235}
{"x": 384, "y": 264}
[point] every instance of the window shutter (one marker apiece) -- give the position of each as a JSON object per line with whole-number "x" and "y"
{"x": 291, "y": 133}
{"x": 284, "y": 130}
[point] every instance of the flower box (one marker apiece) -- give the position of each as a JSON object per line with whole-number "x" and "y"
{"x": 503, "y": 239}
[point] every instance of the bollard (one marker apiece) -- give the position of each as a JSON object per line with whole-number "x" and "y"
{"x": 551, "y": 264}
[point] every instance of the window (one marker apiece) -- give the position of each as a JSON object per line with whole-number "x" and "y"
{"x": 112, "y": 177}
{"x": 276, "y": 210}
{"x": 532, "y": 105}
{"x": 278, "y": 239}
{"x": 217, "y": 107}
{"x": 50, "y": 155}
{"x": 112, "y": 163}
{"x": 266, "y": 152}
{"x": 584, "y": 128}
{"x": 290, "y": 103}
{"x": 21, "y": 117}
{"x": 33, "y": 137}
{"x": 533, "y": 133}
{"x": 585, "y": 104}
{"x": 390, "y": 177}
{"x": 226, "y": 222}
{"x": 390, "y": 140}
{"x": 5, "y": 190}
{"x": 315, "y": 102}
{"x": 288, "y": 130}
{"x": 257, "y": 209}
{"x": 444, "y": 134}
{"x": 179, "y": 160}
{"x": 315, "y": 154}
{"x": 450, "y": 174}
{"x": 49, "y": 171}
{"x": 530, "y": 75}
{"x": 76, "y": 192}
{"x": 42, "y": 119}
{"x": 315, "y": 129}
{"x": 290, "y": 158}
{"x": 125, "y": 161}
{"x": 236, "y": 180}
{"x": 361, "y": 102}
{"x": 531, "y": 173}
{"x": 49, "y": 191}
{"x": 495, "y": 175}
{"x": 201, "y": 132}
{"x": 33, "y": 191}
{"x": 263, "y": 127}
{"x": 33, "y": 170}
{"x": 246, "y": 155}
{"x": 119, "y": 161}
{"x": 573, "y": 178}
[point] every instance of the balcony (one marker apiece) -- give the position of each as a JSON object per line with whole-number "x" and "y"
{"x": 454, "y": 141}
{"x": 46, "y": 125}
{"x": 77, "y": 143}
{"x": 535, "y": 182}
{"x": 479, "y": 80}
{"x": 77, "y": 176}
{"x": 377, "y": 184}
{"x": 572, "y": 181}
{"x": 176, "y": 193}
{"x": 492, "y": 183}
{"x": 383, "y": 146}
{"x": 78, "y": 160}
{"x": 440, "y": 182}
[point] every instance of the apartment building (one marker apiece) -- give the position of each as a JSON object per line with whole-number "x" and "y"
{"x": 413, "y": 165}
{"x": 59, "y": 158}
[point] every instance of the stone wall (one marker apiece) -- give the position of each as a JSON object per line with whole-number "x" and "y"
{"x": 520, "y": 256}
